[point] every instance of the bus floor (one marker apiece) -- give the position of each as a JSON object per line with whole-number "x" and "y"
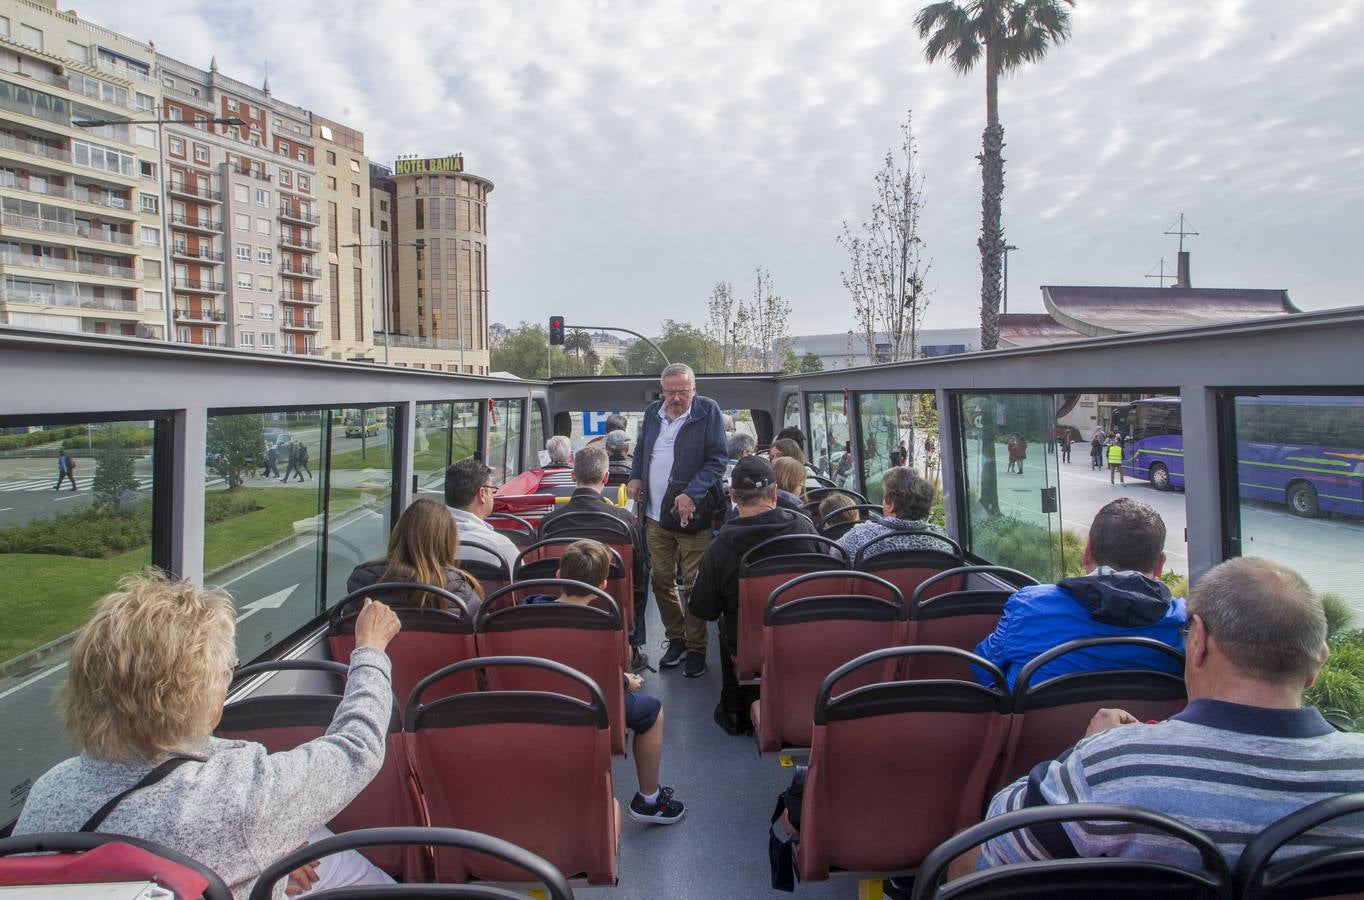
{"x": 719, "y": 849}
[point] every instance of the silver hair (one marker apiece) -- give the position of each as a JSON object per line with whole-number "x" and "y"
{"x": 741, "y": 444}
{"x": 590, "y": 465}
{"x": 1263, "y": 617}
{"x": 560, "y": 449}
{"x": 678, "y": 369}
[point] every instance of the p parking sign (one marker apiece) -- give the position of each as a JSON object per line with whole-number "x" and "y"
{"x": 594, "y": 423}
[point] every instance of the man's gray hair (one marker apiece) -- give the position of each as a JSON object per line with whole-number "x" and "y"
{"x": 590, "y": 465}
{"x": 1263, "y": 617}
{"x": 740, "y": 445}
{"x": 560, "y": 450}
{"x": 678, "y": 369}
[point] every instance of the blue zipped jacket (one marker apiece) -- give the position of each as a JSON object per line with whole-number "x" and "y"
{"x": 699, "y": 455}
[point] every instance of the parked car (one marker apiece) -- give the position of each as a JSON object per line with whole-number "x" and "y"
{"x": 355, "y": 429}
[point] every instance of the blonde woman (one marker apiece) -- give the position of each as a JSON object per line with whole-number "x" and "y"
{"x": 424, "y": 547}
{"x": 145, "y": 688}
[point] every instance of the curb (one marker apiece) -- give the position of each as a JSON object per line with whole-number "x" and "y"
{"x": 31, "y": 660}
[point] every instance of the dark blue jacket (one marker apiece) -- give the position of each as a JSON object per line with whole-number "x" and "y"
{"x": 1103, "y": 604}
{"x": 699, "y": 455}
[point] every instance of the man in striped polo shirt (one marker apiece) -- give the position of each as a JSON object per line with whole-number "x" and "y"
{"x": 1243, "y": 754}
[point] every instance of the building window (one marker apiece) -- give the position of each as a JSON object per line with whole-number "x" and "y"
{"x": 145, "y": 102}
{"x": 383, "y": 206}
{"x": 262, "y": 226}
{"x": 231, "y": 105}
{"x": 286, "y": 177}
{"x": 146, "y": 137}
{"x": 355, "y": 165}
{"x": 152, "y": 299}
{"x": 151, "y": 268}
{"x": 265, "y": 256}
{"x": 177, "y": 147}
{"x": 265, "y": 282}
{"x": 150, "y": 203}
{"x": 283, "y": 148}
{"x": 241, "y": 193}
{"x": 303, "y": 184}
{"x": 421, "y": 215}
{"x": 200, "y": 153}
{"x": 182, "y": 334}
{"x": 31, "y": 36}
{"x": 331, "y": 158}
{"x": 355, "y": 190}
{"x": 355, "y": 222}
{"x": 241, "y": 222}
{"x": 302, "y": 154}
{"x": 330, "y": 183}
{"x": 244, "y": 252}
{"x": 246, "y": 309}
{"x": 262, "y": 197}
{"x": 335, "y": 290}
{"x": 148, "y": 170}
{"x": 151, "y": 236}
{"x": 267, "y": 312}
{"x": 247, "y": 340}
{"x": 244, "y": 282}
{"x": 267, "y": 340}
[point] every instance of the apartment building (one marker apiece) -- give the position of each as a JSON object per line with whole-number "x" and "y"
{"x": 436, "y": 229}
{"x": 343, "y": 194}
{"x": 81, "y": 231}
{"x": 243, "y": 213}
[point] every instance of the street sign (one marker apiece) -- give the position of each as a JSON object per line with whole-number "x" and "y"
{"x": 594, "y": 423}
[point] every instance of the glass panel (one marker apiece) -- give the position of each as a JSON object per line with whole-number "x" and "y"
{"x": 446, "y": 433}
{"x": 361, "y": 491}
{"x": 261, "y": 532}
{"x": 1006, "y": 469}
{"x": 829, "y": 446}
{"x": 790, "y": 414}
{"x": 504, "y": 440}
{"x": 68, "y": 532}
{"x": 1300, "y": 476}
{"x": 535, "y": 433}
{"x": 897, "y": 429}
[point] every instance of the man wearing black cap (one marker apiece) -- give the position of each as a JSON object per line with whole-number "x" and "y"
{"x": 753, "y": 488}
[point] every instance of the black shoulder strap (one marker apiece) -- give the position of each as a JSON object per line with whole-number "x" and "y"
{"x": 152, "y": 777}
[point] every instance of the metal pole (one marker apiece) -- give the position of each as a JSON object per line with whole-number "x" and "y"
{"x": 383, "y": 251}
{"x": 657, "y": 349}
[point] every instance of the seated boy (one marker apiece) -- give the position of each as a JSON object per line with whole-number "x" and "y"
{"x": 590, "y": 563}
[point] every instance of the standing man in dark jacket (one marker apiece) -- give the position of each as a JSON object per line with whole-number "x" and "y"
{"x": 715, "y": 595}
{"x": 618, "y": 456}
{"x": 675, "y": 479}
{"x": 591, "y": 472}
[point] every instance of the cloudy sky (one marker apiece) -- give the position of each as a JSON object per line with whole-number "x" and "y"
{"x": 644, "y": 150}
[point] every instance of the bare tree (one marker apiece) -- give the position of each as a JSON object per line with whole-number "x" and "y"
{"x": 887, "y": 266}
{"x": 720, "y": 325}
{"x": 768, "y": 322}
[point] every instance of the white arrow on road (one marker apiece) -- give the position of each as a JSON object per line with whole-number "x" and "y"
{"x": 270, "y": 601}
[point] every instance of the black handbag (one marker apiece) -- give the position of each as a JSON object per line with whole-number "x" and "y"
{"x": 702, "y": 519}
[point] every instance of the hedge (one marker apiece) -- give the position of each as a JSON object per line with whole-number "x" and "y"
{"x": 111, "y": 439}
{"x": 34, "y": 438}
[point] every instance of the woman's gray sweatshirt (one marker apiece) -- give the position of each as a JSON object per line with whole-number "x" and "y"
{"x": 238, "y": 808}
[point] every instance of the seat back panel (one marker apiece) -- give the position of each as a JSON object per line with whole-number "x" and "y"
{"x": 754, "y": 591}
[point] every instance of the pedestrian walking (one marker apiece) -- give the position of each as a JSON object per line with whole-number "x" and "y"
{"x": 1096, "y": 448}
{"x": 303, "y": 461}
{"x": 271, "y": 462}
{"x": 66, "y": 468}
{"x": 293, "y": 463}
{"x": 1067, "y": 439}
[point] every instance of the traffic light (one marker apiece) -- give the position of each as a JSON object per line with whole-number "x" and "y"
{"x": 556, "y": 329}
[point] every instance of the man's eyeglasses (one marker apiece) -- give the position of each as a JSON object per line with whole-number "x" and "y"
{"x": 1188, "y": 626}
{"x": 682, "y": 393}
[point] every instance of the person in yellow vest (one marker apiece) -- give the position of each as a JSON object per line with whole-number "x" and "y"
{"x": 1115, "y": 459}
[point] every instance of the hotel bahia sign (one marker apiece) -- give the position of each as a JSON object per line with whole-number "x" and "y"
{"x": 438, "y": 165}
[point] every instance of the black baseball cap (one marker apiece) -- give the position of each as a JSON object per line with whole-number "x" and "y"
{"x": 752, "y": 472}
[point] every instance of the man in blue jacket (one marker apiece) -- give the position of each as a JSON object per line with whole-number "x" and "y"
{"x": 1121, "y": 596}
{"x": 675, "y": 480}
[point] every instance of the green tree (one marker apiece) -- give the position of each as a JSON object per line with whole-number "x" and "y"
{"x": 234, "y": 448}
{"x": 114, "y": 478}
{"x": 790, "y": 363}
{"x": 610, "y": 368}
{"x": 811, "y": 362}
{"x": 521, "y": 351}
{"x": 682, "y": 342}
{"x": 577, "y": 342}
{"x": 1009, "y": 33}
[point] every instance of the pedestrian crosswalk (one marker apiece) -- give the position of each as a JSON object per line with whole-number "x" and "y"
{"x": 83, "y": 485}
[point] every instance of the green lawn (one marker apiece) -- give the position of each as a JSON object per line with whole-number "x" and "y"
{"x": 47, "y": 596}
{"x": 375, "y": 456}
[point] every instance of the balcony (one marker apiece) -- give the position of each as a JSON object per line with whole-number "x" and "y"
{"x": 200, "y": 101}
{"x": 179, "y": 251}
{"x": 124, "y": 71}
{"x": 69, "y": 229}
{"x": 78, "y": 194}
{"x": 297, "y": 215}
{"x": 288, "y": 268}
{"x": 423, "y": 343}
{"x": 263, "y": 176}
{"x": 300, "y": 297}
{"x": 34, "y": 148}
{"x": 67, "y": 300}
{"x": 74, "y": 266}
{"x": 182, "y": 314}
{"x": 180, "y": 189}
{"x": 180, "y": 221}
{"x": 285, "y": 130}
{"x": 300, "y": 351}
{"x": 300, "y": 323}
{"x": 293, "y": 243}
{"x": 198, "y": 286}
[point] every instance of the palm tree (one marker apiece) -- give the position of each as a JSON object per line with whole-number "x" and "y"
{"x": 1010, "y": 33}
{"x": 577, "y": 342}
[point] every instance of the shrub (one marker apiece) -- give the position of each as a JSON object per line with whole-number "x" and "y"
{"x": 110, "y": 437}
{"x": 1028, "y": 547}
{"x": 1338, "y": 613}
{"x": 1177, "y": 583}
{"x": 115, "y": 484}
{"x": 34, "y": 438}
{"x": 1339, "y": 689}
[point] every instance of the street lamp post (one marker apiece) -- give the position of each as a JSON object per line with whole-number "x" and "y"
{"x": 1007, "y": 248}
{"x": 166, "y": 268}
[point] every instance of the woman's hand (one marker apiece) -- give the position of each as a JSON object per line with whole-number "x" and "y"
{"x": 376, "y": 625}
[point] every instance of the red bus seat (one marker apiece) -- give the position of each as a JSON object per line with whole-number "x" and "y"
{"x": 836, "y": 530}
{"x": 541, "y": 560}
{"x": 430, "y": 638}
{"x": 284, "y": 721}
{"x": 520, "y": 531}
{"x": 769, "y": 565}
{"x": 1051, "y": 716}
{"x": 611, "y": 532}
{"x": 530, "y": 767}
{"x": 1081, "y": 878}
{"x": 484, "y": 563}
{"x": 585, "y": 638}
{"x": 907, "y": 569}
{"x": 806, "y": 639}
{"x": 92, "y": 858}
{"x": 896, "y": 767}
{"x": 539, "y": 870}
{"x": 959, "y": 617}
